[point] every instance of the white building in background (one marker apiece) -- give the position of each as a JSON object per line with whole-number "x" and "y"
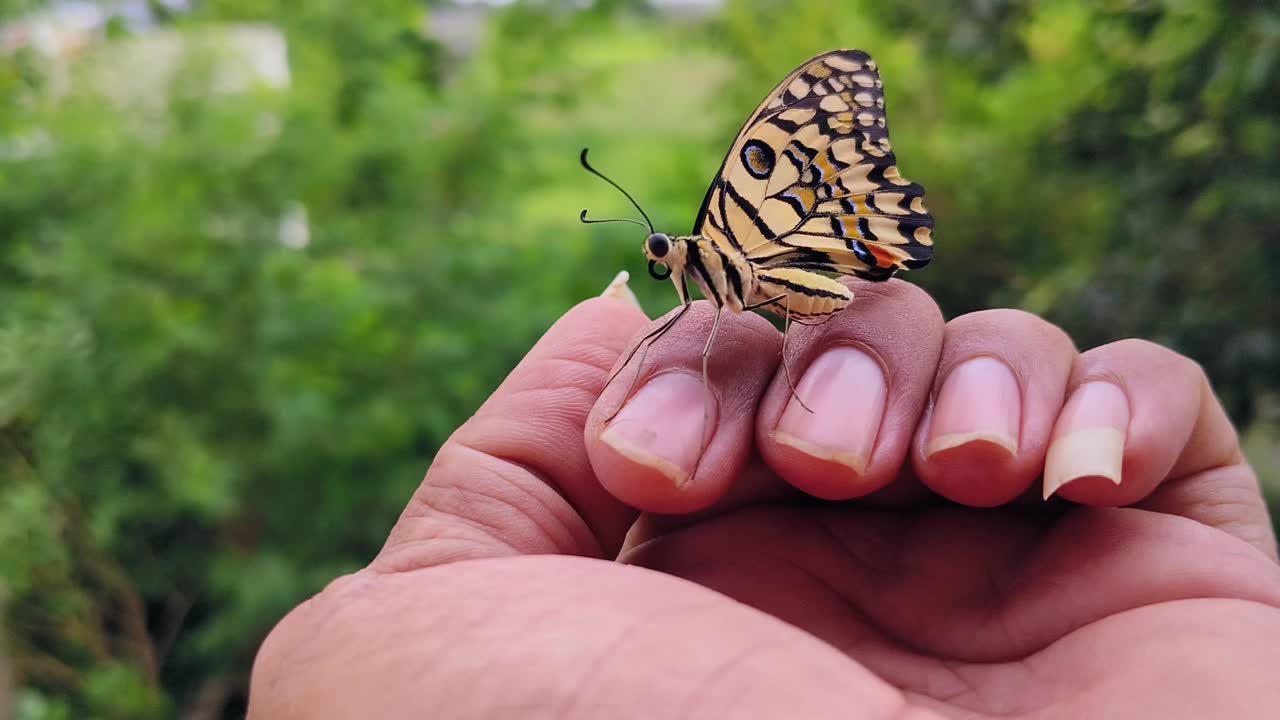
{"x": 141, "y": 63}
{"x": 460, "y": 25}
{"x": 136, "y": 69}
{"x": 65, "y": 27}
{"x": 141, "y": 66}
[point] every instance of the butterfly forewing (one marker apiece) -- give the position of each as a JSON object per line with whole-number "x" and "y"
{"x": 811, "y": 181}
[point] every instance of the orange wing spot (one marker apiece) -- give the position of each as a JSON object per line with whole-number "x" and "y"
{"x": 756, "y": 158}
{"x": 884, "y": 256}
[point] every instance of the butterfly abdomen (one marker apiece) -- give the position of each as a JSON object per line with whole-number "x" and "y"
{"x": 805, "y": 294}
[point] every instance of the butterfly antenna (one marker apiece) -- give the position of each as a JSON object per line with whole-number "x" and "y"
{"x": 597, "y": 173}
{"x": 592, "y": 221}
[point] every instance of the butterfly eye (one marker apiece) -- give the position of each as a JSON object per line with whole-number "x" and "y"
{"x": 659, "y": 245}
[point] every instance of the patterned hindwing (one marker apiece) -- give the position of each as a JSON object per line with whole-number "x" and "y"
{"x": 811, "y": 181}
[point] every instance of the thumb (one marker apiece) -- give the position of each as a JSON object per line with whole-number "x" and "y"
{"x": 515, "y": 478}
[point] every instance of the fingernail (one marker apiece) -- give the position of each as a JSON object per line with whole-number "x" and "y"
{"x": 620, "y": 290}
{"x": 846, "y": 389}
{"x": 1088, "y": 440}
{"x": 979, "y": 402}
{"x": 662, "y": 426}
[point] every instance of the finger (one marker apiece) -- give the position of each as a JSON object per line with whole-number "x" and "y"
{"x": 671, "y": 445}
{"x": 1142, "y": 423}
{"x": 998, "y": 390}
{"x": 864, "y": 375}
{"x": 515, "y": 479}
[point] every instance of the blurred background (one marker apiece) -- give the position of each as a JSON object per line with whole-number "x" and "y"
{"x": 259, "y": 258}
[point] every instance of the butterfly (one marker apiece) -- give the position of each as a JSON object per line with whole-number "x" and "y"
{"x": 809, "y": 189}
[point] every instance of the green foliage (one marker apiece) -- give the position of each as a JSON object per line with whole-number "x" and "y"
{"x": 200, "y": 423}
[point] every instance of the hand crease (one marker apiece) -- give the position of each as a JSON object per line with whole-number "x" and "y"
{"x": 555, "y": 515}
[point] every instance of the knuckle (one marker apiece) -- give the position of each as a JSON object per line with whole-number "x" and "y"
{"x": 910, "y": 302}
{"x": 1005, "y": 324}
{"x": 1137, "y": 347}
{"x": 921, "y": 302}
{"x": 1145, "y": 356}
{"x": 1152, "y": 353}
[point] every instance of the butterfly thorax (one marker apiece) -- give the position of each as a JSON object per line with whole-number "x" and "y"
{"x": 725, "y": 278}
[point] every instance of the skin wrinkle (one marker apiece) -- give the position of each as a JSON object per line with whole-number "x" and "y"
{"x": 582, "y": 373}
{"x": 403, "y": 556}
{"x": 428, "y": 510}
{"x": 940, "y": 706}
{"x": 983, "y": 701}
{"x": 997, "y": 615}
{"x": 469, "y": 488}
{"x": 996, "y": 610}
{"x": 717, "y": 674}
{"x": 558, "y": 409}
{"x": 1229, "y": 456}
{"x": 1229, "y": 504}
{"x": 462, "y": 495}
{"x": 619, "y": 645}
{"x": 595, "y": 356}
{"x": 968, "y": 689}
{"x": 879, "y": 632}
{"x": 578, "y": 373}
{"x": 854, "y": 610}
{"x": 1016, "y": 561}
{"x": 892, "y": 568}
{"x": 429, "y": 532}
{"x": 563, "y": 516}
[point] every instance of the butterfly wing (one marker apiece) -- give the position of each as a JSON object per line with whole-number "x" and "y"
{"x": 811, "y": 181}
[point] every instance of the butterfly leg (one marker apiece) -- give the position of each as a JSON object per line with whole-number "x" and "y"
{"x": 786, "y": 327}
{"x": 786, "y": 370}
{"x": 650, "y": 339}
{"x": 706, "y": 389}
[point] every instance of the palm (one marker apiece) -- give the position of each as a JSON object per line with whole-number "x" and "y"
{"x": 980, "y": 611}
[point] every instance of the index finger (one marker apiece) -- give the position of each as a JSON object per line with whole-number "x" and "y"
{"x": 515, "y": 479}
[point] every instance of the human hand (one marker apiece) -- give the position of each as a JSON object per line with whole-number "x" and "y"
{"x": 550, "y": 566}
